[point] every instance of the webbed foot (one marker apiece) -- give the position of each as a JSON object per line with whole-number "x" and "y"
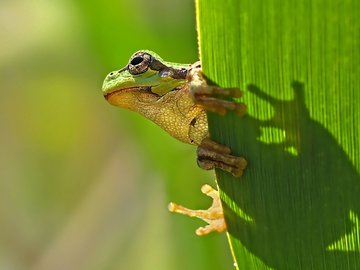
{"x": 212, "y": 155}
{"x": 213, "y": 215}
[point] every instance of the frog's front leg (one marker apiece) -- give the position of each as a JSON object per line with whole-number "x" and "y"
{"x": 210, "y": 97}
{"x": 211, "y": 155}
{"x": 213, "y": 216}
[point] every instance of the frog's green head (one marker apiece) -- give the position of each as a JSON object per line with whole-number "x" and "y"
{"x": 145, "y": 79}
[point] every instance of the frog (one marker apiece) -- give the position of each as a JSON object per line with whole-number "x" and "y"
{"x": 177, "y": 98}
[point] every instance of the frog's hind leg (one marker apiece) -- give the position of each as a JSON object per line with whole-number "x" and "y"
{"x": 213, "y": 216}
{"x": 212, "y": 155}
{"x": 211, "y": 97}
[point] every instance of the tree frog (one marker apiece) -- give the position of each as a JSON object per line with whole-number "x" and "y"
{"x": 176, "y": 97}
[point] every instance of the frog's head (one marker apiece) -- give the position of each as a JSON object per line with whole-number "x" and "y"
{"x": 143, "y": 81}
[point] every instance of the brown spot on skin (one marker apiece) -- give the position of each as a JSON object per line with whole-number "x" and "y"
{"x": 193, "y": 122}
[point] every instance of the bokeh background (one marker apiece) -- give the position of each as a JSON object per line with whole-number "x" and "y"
{"x": 84, "y": 185}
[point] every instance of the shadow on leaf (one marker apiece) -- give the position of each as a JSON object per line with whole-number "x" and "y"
{"x": 300, "y": 193}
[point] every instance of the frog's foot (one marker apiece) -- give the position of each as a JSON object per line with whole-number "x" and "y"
{"x": 213, "y": 216}
{"x": 211, "y": 97}
{"x": 212, "y": 155}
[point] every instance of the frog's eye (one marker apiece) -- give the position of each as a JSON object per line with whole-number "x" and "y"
{"x": 139, "y": 63}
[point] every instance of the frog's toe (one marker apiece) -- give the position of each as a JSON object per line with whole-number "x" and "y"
{"x": 213, "y": 98}
{"x": 210, "y": 97}
{"x": 210, "y": 90}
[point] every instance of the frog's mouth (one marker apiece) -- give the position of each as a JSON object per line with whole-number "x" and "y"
{"x": 135, "y": 89}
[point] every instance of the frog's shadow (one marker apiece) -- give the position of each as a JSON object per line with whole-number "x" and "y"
{"x": 310, "y": 210}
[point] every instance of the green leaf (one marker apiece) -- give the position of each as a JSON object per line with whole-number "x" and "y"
{"x": 298, "y": 63}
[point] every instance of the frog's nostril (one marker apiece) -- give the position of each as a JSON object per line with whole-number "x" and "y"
{"x": 111, "y": 73}
{"x": 137, "y": 60}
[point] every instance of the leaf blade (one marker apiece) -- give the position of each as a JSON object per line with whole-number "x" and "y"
{"x": 299, "y": 66}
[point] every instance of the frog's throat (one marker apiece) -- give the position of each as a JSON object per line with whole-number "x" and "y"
{"x": 138, "y": 99}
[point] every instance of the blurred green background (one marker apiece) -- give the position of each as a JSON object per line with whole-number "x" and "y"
{"x": 84, "y": 185}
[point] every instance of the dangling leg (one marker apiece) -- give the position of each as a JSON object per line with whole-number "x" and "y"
{"x": 213, "y": 216}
